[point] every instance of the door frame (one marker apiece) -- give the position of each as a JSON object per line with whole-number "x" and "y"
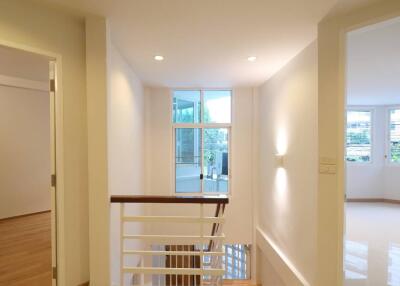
{"x": 57, "y": 157}
{"x": 343, "y": 61}
{"x": 332, "y": 33}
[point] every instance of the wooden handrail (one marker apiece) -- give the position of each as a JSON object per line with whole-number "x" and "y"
{"x": 208, "y": 199}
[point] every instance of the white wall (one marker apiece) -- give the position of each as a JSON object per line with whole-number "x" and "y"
{"x": 377, "y": 179}
{"x": 24, "y": 151}
{"x": 159, "y": 160}
{"x": 125, "y": 107}
{"x": 287, "y": 197}
{"x": 35, "y": 25}
{"x": 392, "y": 182}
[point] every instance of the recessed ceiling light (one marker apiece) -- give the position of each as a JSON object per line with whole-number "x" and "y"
{"x": 158, "y": 58}
{"x": 252, "y": 59}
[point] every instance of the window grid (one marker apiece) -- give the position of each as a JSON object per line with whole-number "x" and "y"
{"x": 394, "y": 135}
{"x": 209, "y": 112}
{"x": 236, "y": 261}
{"x": 359, "y": 136}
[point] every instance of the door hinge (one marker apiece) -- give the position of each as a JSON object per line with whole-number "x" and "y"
{"x": 53, "y": 180}
{"x": 54, "y": 273}
{"x": 201, "y": 176}
{"x": 52, "y": 85}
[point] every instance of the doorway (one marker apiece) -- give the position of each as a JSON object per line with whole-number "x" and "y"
{"x": 28, "y": 248}
{"x": 372, "y": 144}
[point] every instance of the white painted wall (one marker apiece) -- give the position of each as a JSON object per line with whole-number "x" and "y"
{"x": 373, "y": 64}
{"x": 159, "y": 158}
{"x": 24, "y": 151}
{"x": 287, "y": 197}
{"x": 36, "y": 25}
{"x": 377, "y": 179}
{"x": 125, "y": 123}
{"x": 392, "y": 182}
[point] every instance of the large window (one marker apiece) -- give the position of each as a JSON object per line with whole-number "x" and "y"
{"x": 359, "y": 136}
{"x": 394, "y": 135}
{"x": 201, "y": 123}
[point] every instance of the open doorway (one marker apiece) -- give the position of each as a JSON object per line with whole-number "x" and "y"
{"x": 372, "y": 226}
{"x": 27, "y": 169}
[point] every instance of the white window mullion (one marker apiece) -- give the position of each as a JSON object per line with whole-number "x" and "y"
{"x": 201, "y": 126}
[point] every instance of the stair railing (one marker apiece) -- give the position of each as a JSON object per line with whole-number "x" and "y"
{"x": 194, "y": 259}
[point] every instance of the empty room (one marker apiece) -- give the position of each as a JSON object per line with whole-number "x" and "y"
{"x": 25, "y": 169}
{"x": 372, "y": 236}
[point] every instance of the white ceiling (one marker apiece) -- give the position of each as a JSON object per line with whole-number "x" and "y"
{"x": 207, "y": 42}
{"x": 373, "y": 65}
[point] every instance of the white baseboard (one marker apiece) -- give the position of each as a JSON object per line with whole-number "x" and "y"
{"x": 282, "y": 265}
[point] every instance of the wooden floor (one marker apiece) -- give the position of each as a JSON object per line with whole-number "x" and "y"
{"x": 25, "y": 251}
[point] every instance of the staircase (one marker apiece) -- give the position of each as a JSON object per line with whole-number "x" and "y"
{"x": 193, "y": 258}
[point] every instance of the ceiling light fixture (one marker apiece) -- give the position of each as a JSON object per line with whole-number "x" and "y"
{"x": 252, "y": 59}
{"x": 158, "y": 58}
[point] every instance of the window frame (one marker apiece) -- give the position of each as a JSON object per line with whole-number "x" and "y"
{"x": 372, "y": 110}
{"x": 388, "y": 153}
{"x": 201, "y": 126}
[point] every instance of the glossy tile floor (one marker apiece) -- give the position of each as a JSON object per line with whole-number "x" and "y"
{"x": 372, "y": 245}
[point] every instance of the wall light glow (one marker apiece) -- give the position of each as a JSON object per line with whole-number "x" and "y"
{"x": 281, "y": 191}
{"x": 281, "y": 142}
{"x": 281, "y": 176}
{"x": 281, "y": 180}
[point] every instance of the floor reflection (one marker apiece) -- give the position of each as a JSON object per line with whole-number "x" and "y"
{"x": 372, "y": 245}
{"x": 356, "y": 260}
{"x": 394, "y": 265}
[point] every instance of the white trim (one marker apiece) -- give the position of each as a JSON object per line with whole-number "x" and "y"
{"x": 171, "y": 239}
{"x": 24, "y": 83}
{"x": 174, "y": 271}
{"x": 341, "y": 83}
{"x": 282, "y": 265}
{"x": 178, "y": 253}
{"x": 175, "y": 219}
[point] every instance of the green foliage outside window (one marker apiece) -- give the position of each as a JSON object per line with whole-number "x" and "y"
{"x": 395, "y": 135}
{"x": 358, "y": 147}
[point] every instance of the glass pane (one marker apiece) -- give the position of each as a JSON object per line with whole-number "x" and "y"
{"x": 395, "y": 135}
{"x": 236, "y": 260}
{"x": 217, "y": 106}
{"x": 186, "y": 106}
{"x": 188, "y": 160}
{"x": 358, "y": 136}
{"x": 215, "y": 160}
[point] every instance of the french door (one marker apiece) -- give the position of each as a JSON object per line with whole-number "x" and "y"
{"x": 202, "y": 159}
